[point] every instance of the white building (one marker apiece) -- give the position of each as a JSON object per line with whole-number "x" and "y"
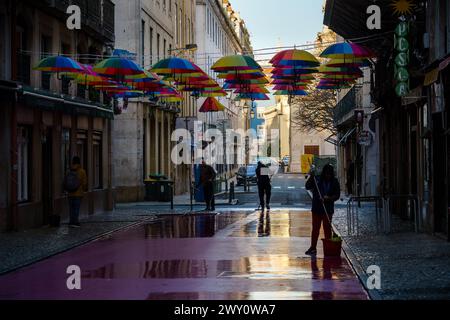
{"x": 221, "y": 32}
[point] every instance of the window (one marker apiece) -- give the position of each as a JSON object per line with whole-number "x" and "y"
{"x": 97, "y": 160}
{"x": 165, "y": 48}
{"x": 65, "y": 82}
{"x": 65, "y": 151}
{"x": 151, "y": 46}
{"x": 23, "y": 163}
{"x": 158, "y": 44}
{"x": 46, "y": 45}
{"x": 82, "y": 149}
{"x": 143, "y": 43}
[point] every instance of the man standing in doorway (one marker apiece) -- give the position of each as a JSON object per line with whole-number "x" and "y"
{"x": 207, "y": 179}
{"x": 76, "y": 185}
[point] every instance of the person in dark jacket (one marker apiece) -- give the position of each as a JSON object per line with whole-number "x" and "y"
{"x": 264, "y": 185}
{"x": 207, "y": 179}
{"x": 326, "y": 191}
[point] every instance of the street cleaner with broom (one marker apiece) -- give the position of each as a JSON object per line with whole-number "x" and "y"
{"x": 326, "y": 191}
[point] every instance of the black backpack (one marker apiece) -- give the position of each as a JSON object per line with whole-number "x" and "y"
{"x": 72, "y": 182}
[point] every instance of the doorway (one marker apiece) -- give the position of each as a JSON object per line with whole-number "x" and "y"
{"x": 47, "y": 175}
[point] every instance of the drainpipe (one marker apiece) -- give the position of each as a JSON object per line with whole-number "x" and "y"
{"x": 13, "y": 147}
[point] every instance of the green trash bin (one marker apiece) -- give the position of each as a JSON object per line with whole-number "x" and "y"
{"x": 151, "y": 190}
{"x": 164, "y": 190}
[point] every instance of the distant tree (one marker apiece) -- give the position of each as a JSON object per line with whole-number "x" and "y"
{"x": 314, "y": 112}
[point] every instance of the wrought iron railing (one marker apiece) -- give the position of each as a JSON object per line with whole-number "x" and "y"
{"x": 349, "y": 103}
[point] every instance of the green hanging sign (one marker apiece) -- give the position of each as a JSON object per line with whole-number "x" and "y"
{"x": 402, "y": 47}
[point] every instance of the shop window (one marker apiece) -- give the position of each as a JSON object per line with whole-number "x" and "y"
{"x": 65, "y": 151}
{"x": 23, "y": 163}
{"x": 82, "y": 149}
{"x": 97, "y": 160}
{"x": 46, "y": 45}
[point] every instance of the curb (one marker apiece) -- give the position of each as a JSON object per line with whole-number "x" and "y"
{"x": 355, "y": 264}
{"x": 73, "y": 246}
{"x": 358, "y": 268}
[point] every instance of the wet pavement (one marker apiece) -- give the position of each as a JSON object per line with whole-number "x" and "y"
{"x": 240, "y": 255}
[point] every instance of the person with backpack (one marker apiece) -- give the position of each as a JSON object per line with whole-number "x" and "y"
{"x": 326, "y": 191}
{"x": 75, "y": 183}
{"x": 207, "y": 179}
{"x": 264, "y": 186}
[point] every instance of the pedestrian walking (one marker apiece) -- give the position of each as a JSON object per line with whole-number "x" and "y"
{"x": 326, "y": 191}
{"x": 207, "y": 178}
{"x": 264, "y": 185}
{"x": 75, "y": 183}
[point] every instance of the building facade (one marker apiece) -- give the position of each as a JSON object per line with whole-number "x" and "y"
{"x": 221, "y": 32}
{"x": 412, "y": 129}
{"x": 46, "y": 121}
{"x": 152, "y": 30}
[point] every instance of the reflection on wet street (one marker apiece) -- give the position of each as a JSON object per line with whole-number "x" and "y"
{"x": 203, "y": 256}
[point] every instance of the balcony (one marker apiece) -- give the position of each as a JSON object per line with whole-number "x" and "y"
{"x": 96, "y": 15}
{"x": 346, "y": 107}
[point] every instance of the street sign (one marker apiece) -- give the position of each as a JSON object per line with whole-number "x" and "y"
{"x": 365, "y": 138}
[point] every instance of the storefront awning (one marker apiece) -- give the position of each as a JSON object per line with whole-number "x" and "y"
{"x": 44, "y": 100}
{"x": 345, "y": 138}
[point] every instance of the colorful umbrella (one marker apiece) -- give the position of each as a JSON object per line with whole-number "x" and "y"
{"x": 173, "y": 66}
{"x": 58, "y": 64}
{"x": 211, "y": 105}
{"x": 118, "y": 67}
{"x": 290, "y": 93}
{"x": 252, "y": 96}
{"x": 295, "y": 58}
{"x": 347, "y": 50}
{"x": 236, "y": 63}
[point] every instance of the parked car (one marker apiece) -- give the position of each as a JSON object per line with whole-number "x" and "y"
{"x": 248, "y": 172}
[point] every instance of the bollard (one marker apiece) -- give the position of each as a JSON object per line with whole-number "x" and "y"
{"x": 231, "y": 193}
{"x": 172, "y": 189}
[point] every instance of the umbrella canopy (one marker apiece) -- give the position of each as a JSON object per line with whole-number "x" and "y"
{"x": 347, "y": 50}
{"x": 174, "y": 66}
{"x": 252, "y": 90}
{"x": 118, "y": 67}
{"x": 58, "y": 64}
{"x": 295, "y": 58}
{"x": 293, "y": 72}
{"x": 236, "y": 63}
{"x": 290, "y": 93}
{"x": 252, "y": 96}
{"x": 211, "y": 105}
{"x": 341, "y": 71}
{"x": 348, "y": 63}
{"x": 288, "y": 87}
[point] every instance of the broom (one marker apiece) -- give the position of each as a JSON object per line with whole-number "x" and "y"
{"x": 334, "y": 236}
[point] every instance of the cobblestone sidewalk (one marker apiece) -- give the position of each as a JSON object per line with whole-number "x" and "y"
{"x": 413, "y": 266}
{"x": 26, "y": 247}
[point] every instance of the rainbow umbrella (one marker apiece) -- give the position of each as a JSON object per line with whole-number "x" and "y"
{"x": 341, "y": 71}
{"x": 294, "y": 58}
{"x": 118, "y": 67}
{"x": 173, "y": 66}
{"x": 290, "y": 93}
{"x": 347, "y": 50}
{"x": 236, "y": 63}
{"x": 58, "y": 64}
{"x": 346, "y": 63}
{"x": 252, "y": 96}
{"x": 288, "y": 87}
{"x": 211, "y": 105}
{"x": 252, "y": 90}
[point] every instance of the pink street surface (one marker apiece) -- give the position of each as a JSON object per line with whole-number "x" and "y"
{"x": 200, "y": 257}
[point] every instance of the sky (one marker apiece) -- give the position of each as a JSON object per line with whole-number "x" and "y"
{"x": 280, "y": 23}
{"x": 285, "y": 22}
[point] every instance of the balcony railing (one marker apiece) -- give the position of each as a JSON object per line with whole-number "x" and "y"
{"x": 97, "y": 15}
{"x": 348, "y": 104}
